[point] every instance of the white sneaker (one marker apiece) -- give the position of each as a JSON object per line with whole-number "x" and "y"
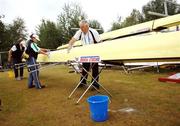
{"x": 18, "y": 78}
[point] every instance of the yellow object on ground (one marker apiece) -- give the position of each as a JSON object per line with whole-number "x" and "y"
{"x": 10, "y": 74}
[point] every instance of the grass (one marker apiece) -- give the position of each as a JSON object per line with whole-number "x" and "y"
{"x": 156, "y": 103}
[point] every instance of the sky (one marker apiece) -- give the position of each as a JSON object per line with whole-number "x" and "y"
{"x": 33, "y": 11}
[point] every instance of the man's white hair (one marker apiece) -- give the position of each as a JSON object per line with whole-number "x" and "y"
{"x": 82, "y": 22}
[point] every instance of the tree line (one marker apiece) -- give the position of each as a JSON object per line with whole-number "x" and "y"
{"x": 137, "y": 17}
{"x": 54, "y": 34}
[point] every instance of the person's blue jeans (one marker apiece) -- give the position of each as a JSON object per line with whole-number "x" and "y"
{"x": 33, "y": 73}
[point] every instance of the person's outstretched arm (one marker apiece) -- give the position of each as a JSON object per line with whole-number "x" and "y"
{"x": 71, "y": 42}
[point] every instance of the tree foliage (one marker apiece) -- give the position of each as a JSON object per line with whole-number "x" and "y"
{"x": 96, "y": 25}
{"x": 53, "y": 35}
{"x": 69, "y": 18}
{"x": 158, "y": 6}
{"x": 10, "y": 33}
{"x": 154, "y": 5}
{"x": 17, "y": 29}
{"x": 49, "y": 34}
{"x": 134, "y": 18}
{"x": 2, "y": 34}
{"x": 116, "y": 24}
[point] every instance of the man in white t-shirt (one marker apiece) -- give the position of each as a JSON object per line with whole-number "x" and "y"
{"x": 88, "y": 36}
{"x": 15, "y": 55}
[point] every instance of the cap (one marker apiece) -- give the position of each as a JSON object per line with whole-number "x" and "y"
{"x": 31, "y": 35}
{"x": 36, "y": 37}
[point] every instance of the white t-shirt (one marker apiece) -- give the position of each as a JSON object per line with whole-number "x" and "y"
{"x": 87, "y": 38}
{"x": 14, "y": 48}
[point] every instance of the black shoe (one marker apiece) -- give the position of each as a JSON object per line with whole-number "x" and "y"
{"x": 96, "y": 85}
{"x": 93, "y": 88}
{"x": 31, "y": 86}
{"x": 82, "y": 85}
{"x": 43, "y": 86}
{"x": 71, "y": 71}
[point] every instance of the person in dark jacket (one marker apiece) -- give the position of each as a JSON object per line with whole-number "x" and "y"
{"x": 32, "y": 51}
{"x": 15, "y": 55}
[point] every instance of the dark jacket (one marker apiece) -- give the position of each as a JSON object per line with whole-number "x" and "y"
{"x": 17, "y": 55}
{"x": 30, "y": 51}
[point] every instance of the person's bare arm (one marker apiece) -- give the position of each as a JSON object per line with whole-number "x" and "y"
{"x": 43, "y": 52}
{"x": 71, "y": 42}
{"x": 9, "y": 55}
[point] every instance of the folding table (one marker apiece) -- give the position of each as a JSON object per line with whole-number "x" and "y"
{"x": 87, "y": 59}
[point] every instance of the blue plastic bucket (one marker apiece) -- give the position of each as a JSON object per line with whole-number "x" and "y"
{"x": 98, "y": 107}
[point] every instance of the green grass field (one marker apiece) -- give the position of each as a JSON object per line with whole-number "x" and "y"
{"x": 156, "y": 103}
